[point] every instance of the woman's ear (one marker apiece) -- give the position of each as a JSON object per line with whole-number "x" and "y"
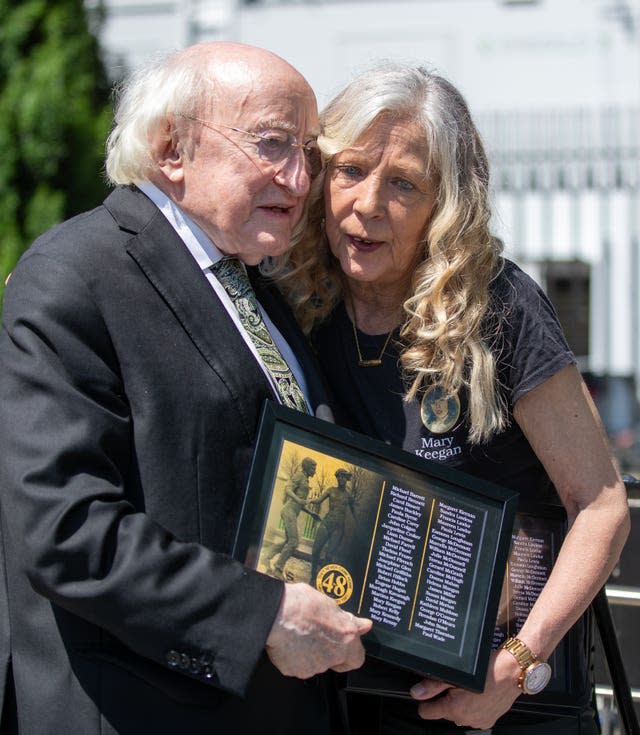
{"x": 167, "y": 152}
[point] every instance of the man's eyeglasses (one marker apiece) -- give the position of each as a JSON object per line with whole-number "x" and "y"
{"x": 273, "y": 146}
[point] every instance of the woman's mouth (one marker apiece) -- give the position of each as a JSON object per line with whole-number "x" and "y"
{"x": 364, "y": 244}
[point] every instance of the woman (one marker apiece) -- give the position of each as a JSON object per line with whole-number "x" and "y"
{"x": 426, "y": 332}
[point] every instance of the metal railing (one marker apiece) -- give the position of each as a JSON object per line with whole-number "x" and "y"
{"x": 629, "y": 597}
{"x": 612, "y": 723}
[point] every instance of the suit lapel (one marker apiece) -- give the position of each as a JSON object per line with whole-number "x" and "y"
{"x": 173, "y": 272}
{"x": 170, "y": 268}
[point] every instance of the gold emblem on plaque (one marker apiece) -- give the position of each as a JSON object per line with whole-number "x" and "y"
{"x": 336, "y": 582}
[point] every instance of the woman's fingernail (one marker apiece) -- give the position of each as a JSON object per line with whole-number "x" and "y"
{"x": 418, "y": 690}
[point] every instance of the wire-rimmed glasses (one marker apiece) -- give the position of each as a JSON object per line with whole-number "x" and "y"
{"x": 274, "y": 146}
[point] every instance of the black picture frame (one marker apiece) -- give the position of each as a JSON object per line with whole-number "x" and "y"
{"x": 422, "y": 549}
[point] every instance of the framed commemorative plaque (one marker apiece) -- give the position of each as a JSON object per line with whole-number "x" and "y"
{"x": 419, "y": 548}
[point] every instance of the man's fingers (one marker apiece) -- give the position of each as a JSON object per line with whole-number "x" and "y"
{"x": 312, "y": 634}
{"x": 362, "y": 625}
{"x": 353, "y": 660}
{"x": 348, "y": 666}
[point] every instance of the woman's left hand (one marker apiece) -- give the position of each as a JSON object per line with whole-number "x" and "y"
{"x": 439, "y": 700}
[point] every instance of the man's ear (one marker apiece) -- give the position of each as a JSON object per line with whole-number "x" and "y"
{"x": 168, "y": 153}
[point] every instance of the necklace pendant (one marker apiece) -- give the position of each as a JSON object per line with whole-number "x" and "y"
{"x": 375, "y": 361}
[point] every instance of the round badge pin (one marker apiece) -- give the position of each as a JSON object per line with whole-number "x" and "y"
{"x": 439, "y": 410}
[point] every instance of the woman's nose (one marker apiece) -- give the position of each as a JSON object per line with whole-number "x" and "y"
{"x": 368, "y": 199}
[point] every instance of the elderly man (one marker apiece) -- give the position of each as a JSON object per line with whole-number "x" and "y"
{"x": 134, "y": 362}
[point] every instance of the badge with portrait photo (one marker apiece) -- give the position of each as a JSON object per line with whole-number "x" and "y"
{"x": 439, "y": 410}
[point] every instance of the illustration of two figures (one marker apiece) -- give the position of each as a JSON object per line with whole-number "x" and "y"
{"x": 329, "y": 530}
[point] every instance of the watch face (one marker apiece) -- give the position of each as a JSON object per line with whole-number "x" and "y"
{"x": 536, "y": 678}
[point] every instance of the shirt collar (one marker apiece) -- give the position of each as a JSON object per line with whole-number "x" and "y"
{"x": 198, "y": 243}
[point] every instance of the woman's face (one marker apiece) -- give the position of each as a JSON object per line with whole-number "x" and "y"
{"x": 378, "y": 203}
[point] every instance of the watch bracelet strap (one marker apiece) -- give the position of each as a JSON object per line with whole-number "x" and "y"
{"x": 530, "y": 665}
{"x": 520, "y": 651}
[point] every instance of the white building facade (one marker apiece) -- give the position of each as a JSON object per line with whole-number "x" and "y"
{"x": 555, "y": 88}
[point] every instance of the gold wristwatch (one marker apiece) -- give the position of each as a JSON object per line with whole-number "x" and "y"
{"x": 535, "y": 674}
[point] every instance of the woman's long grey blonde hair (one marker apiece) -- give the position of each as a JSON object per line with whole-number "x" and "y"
{"x": 446, "y": 309}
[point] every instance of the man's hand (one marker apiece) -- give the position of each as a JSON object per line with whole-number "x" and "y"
{"x": 468, "y": 708}
{"x": 312, "y": 634}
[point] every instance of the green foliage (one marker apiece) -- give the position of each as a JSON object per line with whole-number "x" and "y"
{"x": 54, "y": 117}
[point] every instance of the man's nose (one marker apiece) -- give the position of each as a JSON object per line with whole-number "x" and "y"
{"x": 294, "y": 174}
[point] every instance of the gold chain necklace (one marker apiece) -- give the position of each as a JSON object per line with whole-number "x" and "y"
{"x": 376, "y": 361}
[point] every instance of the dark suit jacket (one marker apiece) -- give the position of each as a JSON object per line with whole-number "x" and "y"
{"x": 128, "y": 411}
{"x": 5, "y": 644}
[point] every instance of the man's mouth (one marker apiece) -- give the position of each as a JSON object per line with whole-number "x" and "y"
{"x": 277, "y": 209}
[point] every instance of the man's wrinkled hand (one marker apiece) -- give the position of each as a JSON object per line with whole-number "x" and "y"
{"x": 312, "y": 634}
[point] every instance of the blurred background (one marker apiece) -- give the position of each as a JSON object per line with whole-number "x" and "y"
{"x": 554, "y": 86}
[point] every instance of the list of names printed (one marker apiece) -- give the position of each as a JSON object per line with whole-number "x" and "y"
{"x": 422, "y": 565}
{"x": 450, "y": 552}
{"x": 395, "y": 563}
{"x": 528, "y": 569}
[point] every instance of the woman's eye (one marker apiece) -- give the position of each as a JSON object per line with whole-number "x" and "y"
{"x": 349, "y": 171}
{"x": 404, "y": 185}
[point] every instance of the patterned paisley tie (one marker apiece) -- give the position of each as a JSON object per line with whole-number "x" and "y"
{"x": 232, "y": 275}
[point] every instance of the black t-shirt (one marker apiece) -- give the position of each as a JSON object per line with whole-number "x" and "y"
{"x": 529, "y": 346}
